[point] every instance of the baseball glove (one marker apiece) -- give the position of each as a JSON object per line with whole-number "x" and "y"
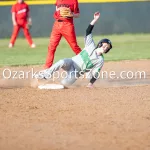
{"x": 65, "y": 12}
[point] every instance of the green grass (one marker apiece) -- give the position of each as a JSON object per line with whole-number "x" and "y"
{"x": 125, "y": 47}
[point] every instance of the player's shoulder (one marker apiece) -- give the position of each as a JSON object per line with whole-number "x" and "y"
{"x": 68, "y": 1}
{"x": 14, "y": 5}
{"x": 25, "y": 3}
{"x": 75, "y": 1}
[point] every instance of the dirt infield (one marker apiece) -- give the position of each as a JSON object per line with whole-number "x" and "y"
{"x": 115, "y": 115}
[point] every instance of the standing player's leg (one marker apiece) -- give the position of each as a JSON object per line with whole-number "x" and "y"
{"x": 28, "y": 35}
{"x": 14, "y": 35}
{"x": 69, "y": 34}
{"x": 54, "y": 41}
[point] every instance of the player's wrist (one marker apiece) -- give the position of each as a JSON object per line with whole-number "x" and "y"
{"x": 14, "y": 23}
{"x": 72, "y": 14}
{"x": 93, "y": 21}
{"x": 76, "y": 15}
{"x": 29, "y": 19}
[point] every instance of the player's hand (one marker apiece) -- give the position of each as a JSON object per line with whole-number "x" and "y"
{"x": 90, "y": 85}
{"x": 15, "y": 23}
{"x": 29, "y": 24}
{"x": 30, "y": 21}
{"x": 97, "y": 15}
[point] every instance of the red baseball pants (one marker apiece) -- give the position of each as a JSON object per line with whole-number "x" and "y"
{"x": 60, "y": 29}
{"x": 16, "y": 30}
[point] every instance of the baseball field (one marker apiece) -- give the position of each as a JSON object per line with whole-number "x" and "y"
{"x": 115, "y": 115}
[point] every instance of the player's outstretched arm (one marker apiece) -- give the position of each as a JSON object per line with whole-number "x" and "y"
{"x": 91, "y": 25}
{"x": 88, "y": 40}
{"x": 96, "y": 17}
{"x": 95, "y": 74}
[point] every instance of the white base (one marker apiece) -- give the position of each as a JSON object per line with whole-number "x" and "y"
{"x": 51, "y": 86}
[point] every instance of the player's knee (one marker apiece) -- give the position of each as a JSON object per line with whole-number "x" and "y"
{"x": 52, "y": 46}
{"x": 68, "y": 82}
{"x": 62, "y": 61}
{"x": 26, "y": 33}
{"x": 69, "y": 79}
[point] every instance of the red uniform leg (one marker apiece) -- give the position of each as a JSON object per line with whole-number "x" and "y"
{"x": 14, "y": 34}
{"x": 27, "y": 34}
{"x": 54, "y": 41}
{"x": 68, "y": 31}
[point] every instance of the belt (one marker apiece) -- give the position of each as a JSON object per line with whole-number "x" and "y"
{"x": 60, "y": 20}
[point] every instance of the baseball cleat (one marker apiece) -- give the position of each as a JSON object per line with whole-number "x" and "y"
{"x": 10, "y": 45}
{"x": 40, "y": 76}
{"x": 33, "y": 45}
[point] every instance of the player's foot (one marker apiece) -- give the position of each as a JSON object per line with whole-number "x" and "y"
{"x": 41, "y": 78}
{"x": 40, "y": 75}
{"x": 10, "y": 45}
{"x": 33, "y": 45}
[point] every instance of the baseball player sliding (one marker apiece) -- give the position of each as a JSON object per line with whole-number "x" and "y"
{"x": 89, "y": 59}
{"x": 66, "y": 10}
{"x": 21, "y": 19}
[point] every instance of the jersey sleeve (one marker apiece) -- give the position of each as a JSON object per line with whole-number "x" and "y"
{"x": 13, "y": 9}
{"x": 55, "y": 3}
{"x": 28, "y": 9}
{"x": 76, "y": 7}
{"x": 88, "y": 40}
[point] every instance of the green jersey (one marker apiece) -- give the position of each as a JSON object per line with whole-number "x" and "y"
{"x": 88, "y": 60}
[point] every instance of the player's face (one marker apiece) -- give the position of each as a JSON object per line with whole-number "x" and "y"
{"x": 103, "y": 49}
{"x": 20, "y": 1}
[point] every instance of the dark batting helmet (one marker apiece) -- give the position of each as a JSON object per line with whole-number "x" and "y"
{"x": 105, "y": 41}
